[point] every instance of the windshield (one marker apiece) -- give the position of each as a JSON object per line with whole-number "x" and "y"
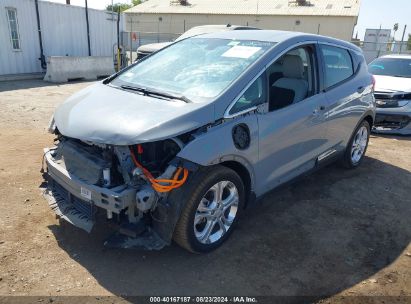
{"x": 399, "y": 67}
{"x": 195, "y": 67}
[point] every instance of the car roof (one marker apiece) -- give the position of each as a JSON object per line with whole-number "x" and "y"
{"x": 260, "y": 35}
{"x": 211, "y": 28}
{"x": 222, "y": 27}
{"x": 276, "y": 36}
{"x": 398, "y": 56}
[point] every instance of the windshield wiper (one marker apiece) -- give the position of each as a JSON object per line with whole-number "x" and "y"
{"x": 150, "y": 92}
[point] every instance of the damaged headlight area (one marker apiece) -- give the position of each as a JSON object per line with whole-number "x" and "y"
{"x": 124, "y": 185}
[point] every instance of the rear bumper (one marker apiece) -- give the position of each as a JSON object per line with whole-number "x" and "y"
{"x": 64, "y": 194}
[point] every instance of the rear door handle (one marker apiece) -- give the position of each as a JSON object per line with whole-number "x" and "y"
{"x": 360, "y": 90}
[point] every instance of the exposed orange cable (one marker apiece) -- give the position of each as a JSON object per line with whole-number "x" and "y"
{"x": 157, "y": 184}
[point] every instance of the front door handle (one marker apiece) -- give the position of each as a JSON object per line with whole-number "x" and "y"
{"x": 360, "y": 90}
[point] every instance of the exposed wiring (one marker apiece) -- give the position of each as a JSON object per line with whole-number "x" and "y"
{"x": 162, "y": 185}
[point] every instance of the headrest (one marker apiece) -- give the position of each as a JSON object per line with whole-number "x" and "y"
{"x": 293, "y": 67}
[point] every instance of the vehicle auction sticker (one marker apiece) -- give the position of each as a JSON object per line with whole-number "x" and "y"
{"x": 241, "y": 51}
{"x": 85, "y": 193}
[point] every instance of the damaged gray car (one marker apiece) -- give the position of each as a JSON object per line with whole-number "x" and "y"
{"x": 175, "y": 146}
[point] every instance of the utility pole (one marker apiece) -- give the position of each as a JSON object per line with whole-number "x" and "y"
{"x": 402, "y": 39}
{"x": 118, "y": 40}
{"x": 131, "y": 40}
{"x": 377, "y": 41}
{"x": 88, "y": 30}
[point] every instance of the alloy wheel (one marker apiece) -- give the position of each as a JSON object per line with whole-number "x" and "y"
{"x": 216, "y": 212}
{"x": 359, "y": 145}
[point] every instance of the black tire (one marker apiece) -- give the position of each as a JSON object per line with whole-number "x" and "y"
{"x": 196, "y": 189}
{"x": 347, "y": 160}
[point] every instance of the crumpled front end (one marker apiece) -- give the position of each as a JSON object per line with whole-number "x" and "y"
{"x": 123, "y": 185}
{"x": 393, "y": 113}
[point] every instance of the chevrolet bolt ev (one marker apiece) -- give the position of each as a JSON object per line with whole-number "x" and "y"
{"x": 175, "y": 146}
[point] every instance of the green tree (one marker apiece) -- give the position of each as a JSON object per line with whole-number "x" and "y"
{"x": 123, "y": 6}
{"x": 118, "y": 6}
{"x": 396, "y": 27}
{"x": 409, "y": 42}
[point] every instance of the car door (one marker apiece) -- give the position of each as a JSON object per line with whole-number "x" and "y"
{"x": 347, "y": 90}
{"x": 291, "y": 135}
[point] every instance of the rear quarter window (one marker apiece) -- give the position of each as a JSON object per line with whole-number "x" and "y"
{"x": 338, "y": 65}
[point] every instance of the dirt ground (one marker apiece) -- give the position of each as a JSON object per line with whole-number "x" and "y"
{"x": 332, "y": 235}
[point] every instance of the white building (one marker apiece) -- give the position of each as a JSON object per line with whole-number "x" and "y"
{"x": 377, "y": 42}
{"x": 334, "y": 18}
{"x": 377, "y": 39}
{"x": 63, "y": 30}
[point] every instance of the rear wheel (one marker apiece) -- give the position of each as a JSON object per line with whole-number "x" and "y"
{"x": 357, "y": 146}
{"x": 212, "y": 209}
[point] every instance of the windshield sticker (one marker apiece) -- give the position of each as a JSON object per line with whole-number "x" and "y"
{"x": 240, "y": 51}
{"x": 232, "y": 43}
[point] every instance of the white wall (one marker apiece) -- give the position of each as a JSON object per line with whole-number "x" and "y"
{"x": 63, "y": 30}
{"x": 377, "y": 39}
{"x": 24, "y": 61}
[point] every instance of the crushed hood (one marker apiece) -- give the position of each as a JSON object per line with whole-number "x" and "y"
{"x": 392, "y": 84}
{"x": 103, "y": 114}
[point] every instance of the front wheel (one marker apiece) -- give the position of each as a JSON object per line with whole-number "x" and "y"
{"x": 357, "y": 146}
{"x": 212, "y": 209}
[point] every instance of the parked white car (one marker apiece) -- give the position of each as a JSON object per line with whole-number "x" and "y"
{"x": 148, "y": 49}
{"x": 392, "y": 75}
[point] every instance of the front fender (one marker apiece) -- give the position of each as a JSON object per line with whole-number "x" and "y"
{"x": 217, "y": 145}
{"x": 212, "y": 147}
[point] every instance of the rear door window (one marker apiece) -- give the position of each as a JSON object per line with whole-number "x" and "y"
{"x": 338, "y": 65}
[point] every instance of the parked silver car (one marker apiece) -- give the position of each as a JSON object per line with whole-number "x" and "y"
{"x": 150, "y": 48}
{"x": 176, "y": 146}
{"x": 393, "y": 94}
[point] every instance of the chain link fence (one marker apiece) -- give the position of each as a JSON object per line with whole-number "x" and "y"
{"x": 373, "y": 50}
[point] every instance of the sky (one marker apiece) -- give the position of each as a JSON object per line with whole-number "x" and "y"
{"x": 373, "y": 13}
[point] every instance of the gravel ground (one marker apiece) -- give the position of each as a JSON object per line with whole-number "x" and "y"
{"x": 333, "y": 235}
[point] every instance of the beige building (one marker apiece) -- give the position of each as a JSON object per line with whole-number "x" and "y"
{"x": 335, "y": 18}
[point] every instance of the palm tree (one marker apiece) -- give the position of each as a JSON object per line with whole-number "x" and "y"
{"x": 395, "y": 29}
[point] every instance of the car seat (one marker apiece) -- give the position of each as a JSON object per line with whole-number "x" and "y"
{"x": 291, "y": 88}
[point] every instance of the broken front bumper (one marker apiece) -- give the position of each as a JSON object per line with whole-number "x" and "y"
{"x": 76, "y": 201}
{"x": 392, "y": 121}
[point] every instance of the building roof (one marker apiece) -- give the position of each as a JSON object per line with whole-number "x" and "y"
{"x": 250, "y": 7}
